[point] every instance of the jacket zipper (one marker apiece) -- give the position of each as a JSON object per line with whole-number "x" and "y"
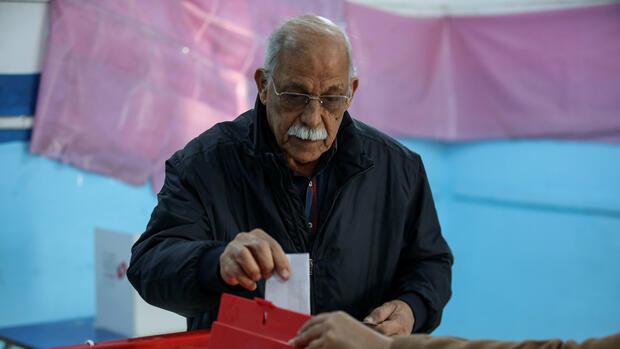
{"x": 296, "y": 242}
{"x": 314, "y": 243}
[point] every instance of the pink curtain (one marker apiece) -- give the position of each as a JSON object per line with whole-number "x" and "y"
{"x": 127, "y": 83}
{"x": 545, "y": 74}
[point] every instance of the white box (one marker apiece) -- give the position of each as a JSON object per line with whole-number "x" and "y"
{"x": 120, "y": 308}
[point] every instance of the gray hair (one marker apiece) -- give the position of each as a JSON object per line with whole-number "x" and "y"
{"x": 284, "y": 36}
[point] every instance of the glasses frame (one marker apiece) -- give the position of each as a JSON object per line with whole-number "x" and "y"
{"x": 309, "y": 97}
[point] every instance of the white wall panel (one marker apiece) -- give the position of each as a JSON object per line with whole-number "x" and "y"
{"x": 433, "y": 8}
{"x": 23, "y": 33}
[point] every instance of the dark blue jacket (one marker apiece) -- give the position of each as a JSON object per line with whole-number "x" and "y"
{"x": 379, "y": 238}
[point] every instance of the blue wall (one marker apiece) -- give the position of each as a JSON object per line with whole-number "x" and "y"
{"x": 535, "y": 229}
{"x": 48, "y": 212}
{"x": 534, "y": 226}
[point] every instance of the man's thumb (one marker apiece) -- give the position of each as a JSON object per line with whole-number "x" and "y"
{"x": 381, "y": 313}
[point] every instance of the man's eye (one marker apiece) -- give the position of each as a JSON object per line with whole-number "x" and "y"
{"x": 331, "y": 99}
{"x": 295, "y": 99}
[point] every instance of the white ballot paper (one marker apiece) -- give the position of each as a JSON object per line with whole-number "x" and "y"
{"x": 294, "y": 293}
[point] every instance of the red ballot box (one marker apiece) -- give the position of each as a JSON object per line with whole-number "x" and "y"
{"x": 241, "y": 323}
{"x": 185, "y": 340}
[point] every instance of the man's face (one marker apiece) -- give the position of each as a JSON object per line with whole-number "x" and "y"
{"x": 320, "y": 68}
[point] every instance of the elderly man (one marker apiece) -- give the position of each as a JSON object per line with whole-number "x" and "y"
{"x": 298, "y": 174}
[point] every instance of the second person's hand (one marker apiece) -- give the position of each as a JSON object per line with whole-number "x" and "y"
{"x": 338, "y": 330}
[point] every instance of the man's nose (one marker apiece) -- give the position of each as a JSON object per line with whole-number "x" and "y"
{"x": 311, "y": 117}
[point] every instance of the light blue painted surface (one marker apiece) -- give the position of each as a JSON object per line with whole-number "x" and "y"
{"x": 535, "y": 230}
{"x": 524, "y": 273}
{"x": 48, "y": 212}
{"x": 534, "y": 226}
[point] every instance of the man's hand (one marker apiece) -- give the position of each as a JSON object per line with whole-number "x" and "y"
{"x": 251, "y": 256}
{"x": 392, "y": 318}
{"x": 338, "y": 330}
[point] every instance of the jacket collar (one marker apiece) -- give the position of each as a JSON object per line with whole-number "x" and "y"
{"x": 264, "y": 140}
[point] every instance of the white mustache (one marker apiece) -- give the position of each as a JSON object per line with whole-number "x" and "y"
{"x": 306, "y": 133}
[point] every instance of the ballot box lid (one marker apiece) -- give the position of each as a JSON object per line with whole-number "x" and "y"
{"x": 260, "y": 316}
{"x": 257, "y": 324}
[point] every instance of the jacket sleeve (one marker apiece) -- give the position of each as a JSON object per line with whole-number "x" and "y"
{"x": 425, "y": 262}
{"x": 166, "y": 260}
{"x": 430, "y": 342}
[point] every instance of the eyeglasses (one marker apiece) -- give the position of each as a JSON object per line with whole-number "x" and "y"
{"x": 297, "y": 101}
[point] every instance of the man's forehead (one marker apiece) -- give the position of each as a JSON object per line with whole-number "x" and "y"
{"x": 326, "y": 69}
{"x": 321, "y": 48}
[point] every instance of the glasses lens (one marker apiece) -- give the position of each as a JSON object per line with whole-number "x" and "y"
{"x": 333, "y": 103}
{"x": 293, "y": 101}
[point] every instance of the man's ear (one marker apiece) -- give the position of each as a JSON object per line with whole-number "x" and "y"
{"x": 260, "y": 77}
{"x": 354, "y": 83}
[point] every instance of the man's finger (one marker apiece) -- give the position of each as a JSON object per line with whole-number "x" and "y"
{"x": 279, "y": 257}
{"x": 280, "y": 260}
{"x": 233, "y": 275}
{"x": 261, "y": 251}
{"x": 246, "y": 282}
{"x": 248, "y": 264}
{"x": 228, "y": 270}
{"x": 381, "y": 313}
{"x": 231, "y": 280}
